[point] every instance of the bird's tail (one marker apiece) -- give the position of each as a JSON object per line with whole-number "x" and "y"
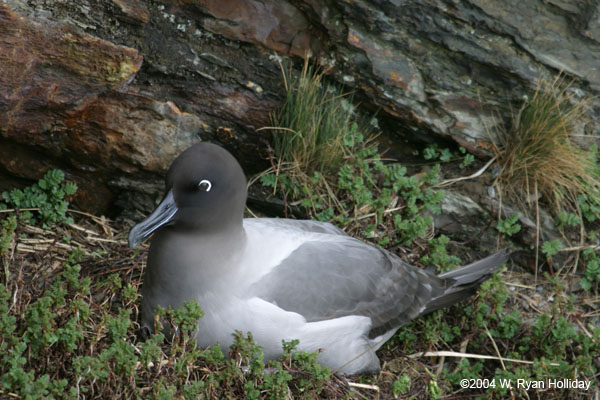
{"x": 464, "y": 281}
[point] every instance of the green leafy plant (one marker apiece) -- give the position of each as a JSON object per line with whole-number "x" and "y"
{"x": 509, "y": 226}
{"x": 468, "y": 158}
{"x": 7, "y": 231}
{"x": 567, "y": 219}
{"x": 364, "y": 196}
{"x": 401, "y": 385}
{"x": 434, "y": 390}
{"x": 592, "y": 272}
{"x": 438, "y": 255}
{"x": 551, "y": 248}
{"x": 433, "y": 152}
{"x": 44, "y": 201}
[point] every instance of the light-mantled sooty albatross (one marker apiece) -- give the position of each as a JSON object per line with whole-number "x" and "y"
{"x": 280, "y": 278}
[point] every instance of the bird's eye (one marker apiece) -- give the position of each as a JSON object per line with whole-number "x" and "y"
{"x": 205, "y": 185}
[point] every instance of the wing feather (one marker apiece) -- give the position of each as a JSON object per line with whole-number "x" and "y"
{"x": 324, "y": 280}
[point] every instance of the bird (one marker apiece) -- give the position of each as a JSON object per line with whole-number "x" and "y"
{"x": 277, "y": 278}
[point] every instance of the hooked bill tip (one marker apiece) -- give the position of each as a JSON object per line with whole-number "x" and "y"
{"x": 162, "y": 215}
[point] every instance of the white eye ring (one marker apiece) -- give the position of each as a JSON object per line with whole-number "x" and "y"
{"x": 205, "y": 183}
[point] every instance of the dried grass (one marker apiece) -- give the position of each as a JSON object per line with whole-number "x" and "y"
{"x": 538, "y": 157}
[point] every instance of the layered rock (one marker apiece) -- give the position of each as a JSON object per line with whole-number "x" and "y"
{"x": 110, "y": 91}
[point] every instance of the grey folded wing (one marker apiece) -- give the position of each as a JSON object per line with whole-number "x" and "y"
{"x": 325, "y": 280}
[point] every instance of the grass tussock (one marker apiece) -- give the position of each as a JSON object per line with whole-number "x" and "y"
{"x": 308, "y": 130}
{"x": 538, "y": 157}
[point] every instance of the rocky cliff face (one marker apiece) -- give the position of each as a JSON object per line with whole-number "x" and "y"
{"x": 111, "y": 90}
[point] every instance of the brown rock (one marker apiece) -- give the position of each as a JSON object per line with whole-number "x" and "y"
{"x": 47, "y": 68}
{"x": 276, "y": 25}
{"x": 133, "y": 10}
{"x": 129, "y": 131}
